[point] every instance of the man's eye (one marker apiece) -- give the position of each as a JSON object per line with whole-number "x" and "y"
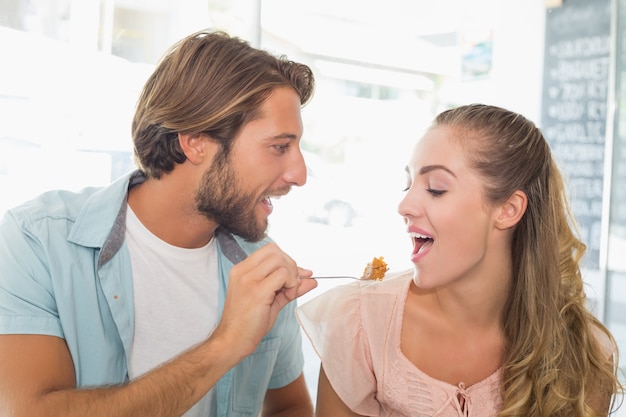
{"x": 281, "y": 148}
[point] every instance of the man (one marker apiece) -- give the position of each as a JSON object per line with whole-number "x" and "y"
{"x": 160, "y": 295}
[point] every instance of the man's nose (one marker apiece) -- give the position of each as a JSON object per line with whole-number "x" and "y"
{"x": 296, "y": 171}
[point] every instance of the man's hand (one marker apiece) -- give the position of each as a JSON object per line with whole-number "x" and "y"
{"x": 259, "y": 287}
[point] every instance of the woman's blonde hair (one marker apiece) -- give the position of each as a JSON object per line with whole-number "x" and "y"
{"x": 555, "y": 364}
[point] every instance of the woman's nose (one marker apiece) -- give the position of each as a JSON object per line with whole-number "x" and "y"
{"x": 409, "y": 205}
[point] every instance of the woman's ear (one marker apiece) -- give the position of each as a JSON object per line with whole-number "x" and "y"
{"x": 512, "y": 210}
{"x": 194, "y": 146}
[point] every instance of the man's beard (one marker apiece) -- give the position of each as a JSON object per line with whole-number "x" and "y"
{"x": 222, "y": 199}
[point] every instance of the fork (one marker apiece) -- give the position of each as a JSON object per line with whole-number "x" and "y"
{"x": 333, "y": 276}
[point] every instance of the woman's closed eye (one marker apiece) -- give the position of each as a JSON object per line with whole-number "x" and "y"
{"x": 407, "y": 185}
{"x": 435, "y": 192}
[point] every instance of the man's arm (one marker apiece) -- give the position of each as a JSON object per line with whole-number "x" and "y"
{"x": 292, "y": 400}
{"x": 38, "y": 380}
{"x": 37, "y": 373}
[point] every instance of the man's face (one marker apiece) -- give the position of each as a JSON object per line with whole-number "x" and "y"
{"x": 264, "y": 161}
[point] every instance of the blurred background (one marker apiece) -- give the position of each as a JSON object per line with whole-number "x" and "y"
{"x": 71, "y": 71}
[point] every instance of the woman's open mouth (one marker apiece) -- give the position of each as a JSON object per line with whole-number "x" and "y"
{"x": 421, "y": 243}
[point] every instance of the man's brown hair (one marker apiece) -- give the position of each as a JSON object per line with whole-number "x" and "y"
{"x": 209, "y": 82}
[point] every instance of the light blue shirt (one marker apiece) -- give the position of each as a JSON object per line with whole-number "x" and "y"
{"x": 65, "y": 271}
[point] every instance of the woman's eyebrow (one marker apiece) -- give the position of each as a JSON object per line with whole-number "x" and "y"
{"x": 428, "y": 168}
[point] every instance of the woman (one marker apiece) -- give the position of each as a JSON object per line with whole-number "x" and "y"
{"x": 492, "y": 319}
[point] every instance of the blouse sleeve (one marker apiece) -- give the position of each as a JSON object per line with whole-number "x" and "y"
{"x": 333, "y": 323}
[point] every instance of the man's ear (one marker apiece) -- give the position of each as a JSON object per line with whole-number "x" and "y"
{"x": 512, "y": 210}
{"x": 194, "y": 146}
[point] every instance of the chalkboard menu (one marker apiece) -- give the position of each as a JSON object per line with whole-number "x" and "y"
{"x": 574, "y": 108}
{"x": 618, "y": 188}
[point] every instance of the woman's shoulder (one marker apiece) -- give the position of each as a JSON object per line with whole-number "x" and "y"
{"x": 350, "y": 299}
{"x": 604, "y": 340}
{"x": 393, "y": 283}
{"x": 365, "y": 291}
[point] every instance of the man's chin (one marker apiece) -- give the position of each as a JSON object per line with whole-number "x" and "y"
{"x": 248, "y": 235}
{"x": 253, "y": 238}
{"x": 257, "y": 239}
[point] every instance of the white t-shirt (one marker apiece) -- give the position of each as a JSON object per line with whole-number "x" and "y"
{"x": 176, "y": 301}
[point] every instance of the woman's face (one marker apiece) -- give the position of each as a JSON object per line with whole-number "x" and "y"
{"x": 449, "y": 222}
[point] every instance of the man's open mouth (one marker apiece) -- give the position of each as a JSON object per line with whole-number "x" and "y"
{"x": 267, "y": 201}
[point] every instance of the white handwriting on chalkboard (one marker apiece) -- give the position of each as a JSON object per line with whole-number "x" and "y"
{"x": 579, "y": 151}
{"x": 589, "y": 132}
{"x": 566, "y": 110}
{"x": 581, "y": 69}
{"x": 581, "y": 47}
{"x": 574, "y": 91}
{"x": 596, "y": 110}
{"x": 587, "y": 169}
{"x": 575, "y": 110}
{"x": 597, "y": 89}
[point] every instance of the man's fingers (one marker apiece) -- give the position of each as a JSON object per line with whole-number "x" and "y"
{"x": 273, "y": 273}
{"x": 306, "y": 273}
{"x": 266, "y": 261}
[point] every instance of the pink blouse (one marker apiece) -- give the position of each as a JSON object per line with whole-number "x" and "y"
{"x": 355, "y": 329}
